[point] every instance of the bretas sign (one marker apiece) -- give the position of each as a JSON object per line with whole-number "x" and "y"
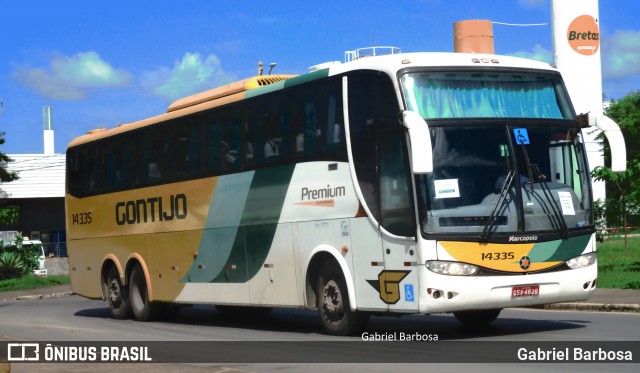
{"x": 583, "y": 35}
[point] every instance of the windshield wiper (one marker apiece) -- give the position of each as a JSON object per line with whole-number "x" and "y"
{"x": 532, "y": 168}
{"x": 528, "y": 164}
{"x": 506, "y": 186}
{"x": 560, "y": 224}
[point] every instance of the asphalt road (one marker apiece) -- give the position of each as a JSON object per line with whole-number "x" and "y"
{"x": 299, "y": 332}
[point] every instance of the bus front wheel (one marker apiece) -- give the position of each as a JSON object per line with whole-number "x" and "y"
{"x": 333, "y": 303}
{"x": 477, "y": 318}
{"x": 143, "y": 309}
{"x": 117, "y": 295}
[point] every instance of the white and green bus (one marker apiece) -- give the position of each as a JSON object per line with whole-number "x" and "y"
{"x": 404, "y": 183}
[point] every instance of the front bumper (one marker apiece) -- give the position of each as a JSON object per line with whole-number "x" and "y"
{"x": 442, "y": 293}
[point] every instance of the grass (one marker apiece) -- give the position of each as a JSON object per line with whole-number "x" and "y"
{"x": 30, "y": 281}
{"x": 617, "y": 269}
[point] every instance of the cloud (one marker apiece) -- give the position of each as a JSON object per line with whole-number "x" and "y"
{"x": 532, "y": 3}
{"x": 192, "y": 74}
{"x": 538, "y": 53}
{"x": 621, "y": 55}
{"x": 68, "y": 78}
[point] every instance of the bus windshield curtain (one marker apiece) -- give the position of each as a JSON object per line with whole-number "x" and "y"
{"x": 441, "y": 98}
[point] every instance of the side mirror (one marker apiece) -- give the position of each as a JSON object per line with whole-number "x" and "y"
{"x": 614, "y": 137}
{"x": 420, "y": 142}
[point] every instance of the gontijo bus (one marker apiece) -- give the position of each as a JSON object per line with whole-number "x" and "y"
{"x": 405, "y": 183}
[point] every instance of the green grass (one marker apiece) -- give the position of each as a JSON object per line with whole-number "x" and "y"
{"x": 617, "y": 269}
{"x": 30, "y": 281}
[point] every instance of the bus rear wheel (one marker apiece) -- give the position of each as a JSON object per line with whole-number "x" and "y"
{"x": 333, "y": 303}
{"x": 117, "y": 295}
{"x": 476, "y": 319}
{"x": 143, "y": 309}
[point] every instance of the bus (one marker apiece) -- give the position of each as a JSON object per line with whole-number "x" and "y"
{"x": 407, "y": 183}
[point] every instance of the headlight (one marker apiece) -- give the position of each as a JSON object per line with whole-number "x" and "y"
{"x": 582, "y": 261}
{"x": 451, "y": 268}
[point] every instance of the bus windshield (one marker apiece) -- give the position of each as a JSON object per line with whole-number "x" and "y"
{"x": 508, "y": 156}
{"x": 487, "y": 179}
{"x": 485, "y": 95}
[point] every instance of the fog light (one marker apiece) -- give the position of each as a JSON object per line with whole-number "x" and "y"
{"x": 581, "y": 261}
{"x": 451, "y": 268}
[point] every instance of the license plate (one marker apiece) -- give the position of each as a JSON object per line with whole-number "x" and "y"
{"x": 525, "y": 291}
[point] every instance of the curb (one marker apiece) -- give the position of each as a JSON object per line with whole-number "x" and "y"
{"x": 40, "y": 296}
{"x": 595, "y": 307}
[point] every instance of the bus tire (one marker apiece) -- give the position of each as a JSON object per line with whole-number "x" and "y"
{"x": 143, "y": 309}
{"x": 117, "y": 295}
{"x": 333, "y": 303}
{"x": 476, "y": 319}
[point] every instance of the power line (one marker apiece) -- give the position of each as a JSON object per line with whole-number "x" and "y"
{"x": 520, "y": 24}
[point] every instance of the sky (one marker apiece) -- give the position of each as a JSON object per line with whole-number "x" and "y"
{"x": 99, "y": 64}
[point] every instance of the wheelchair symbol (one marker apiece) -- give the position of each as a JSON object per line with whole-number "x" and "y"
{"x": 408, "y": 293}
{"x": 521, "y": 135}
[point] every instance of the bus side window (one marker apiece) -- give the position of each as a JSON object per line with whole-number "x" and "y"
{"x": 283, "y": 109}
{"x": 336, "y": 145}
{"x": 310, "y": 128}
{"x": 213, "y": 147}
{"x": 273, "y": 138}
{"x": 395, "y": 196}
{"x": 306, "y": 125}
{"x": 119, "y": 164}
{"x": 177, "y": 152}
{"x": 372, "y": 109}
{"x": 93, "y": 182}
{"x": 297, "y": 122}
{"x": 194, "y": 146}
{"x": 75, "y": 160}
{"x": 155, "y": 165}
{"x": 232, "y": 147}
{"x": 254, "y": 133}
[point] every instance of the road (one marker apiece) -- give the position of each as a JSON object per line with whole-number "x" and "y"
{"x": 76, "y": 319}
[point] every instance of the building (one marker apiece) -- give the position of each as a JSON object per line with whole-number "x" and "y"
{"x": 39, "y": 194}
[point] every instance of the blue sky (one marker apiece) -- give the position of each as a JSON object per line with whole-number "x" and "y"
{"x": 103, "y": 63}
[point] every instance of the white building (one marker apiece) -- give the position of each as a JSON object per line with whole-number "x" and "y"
{"x": 39, "y": 194}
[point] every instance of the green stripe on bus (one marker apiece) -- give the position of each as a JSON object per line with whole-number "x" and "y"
{"x": 243, "y": 218}
{"x": 221, "y": 227}
{"x": 306, "y": 78}
{"x": 558, "y": 250}
{"x": 265, "y": 89}
{"x": 259, "y": 222}
{"x": 287, "y": 83}
{"x": 570, "y": 248}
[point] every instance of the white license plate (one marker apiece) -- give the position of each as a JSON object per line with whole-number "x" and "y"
{"x": 525, "y": 291}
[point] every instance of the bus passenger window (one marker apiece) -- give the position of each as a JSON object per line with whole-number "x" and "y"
{"x": 157, "y": 150}
{"x": 299, "y": 129}
{"x": 395, "y": 196}
{"x": 336, "y": 145}
{"x": 194, "y": 145}
{"x": 231, "y": 148}
{"x": 212, "y": 148}
{"x": 273, "y": 138}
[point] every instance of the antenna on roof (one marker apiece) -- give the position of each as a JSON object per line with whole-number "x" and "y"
{"x": 260, "y": 68}
{"x": 272, "y": 66}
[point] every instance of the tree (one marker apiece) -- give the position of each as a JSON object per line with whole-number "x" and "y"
{"x": 623, "y": 189}
{"x": 5, "y": 176}
{"x": 7, "y": 215}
